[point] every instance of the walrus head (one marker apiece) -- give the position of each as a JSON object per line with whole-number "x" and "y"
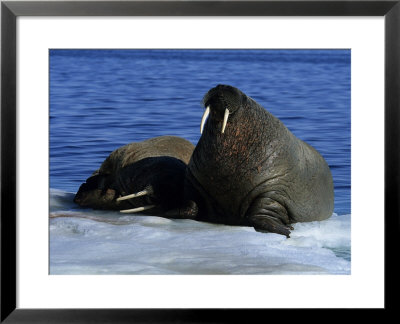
{"x": 156, "y": 182}
{"x": 221, "y": 102}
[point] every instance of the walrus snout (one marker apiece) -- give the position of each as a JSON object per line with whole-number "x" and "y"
{"x": 220, "y": 102}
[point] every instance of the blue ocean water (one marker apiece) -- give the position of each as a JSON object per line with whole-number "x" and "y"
{"x": 103, "y": 99}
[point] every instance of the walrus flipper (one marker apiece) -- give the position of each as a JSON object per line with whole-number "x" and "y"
{"x": 269, "y": 224}
{"x": 188, "y": 210}
{"x": 268, "y": 215}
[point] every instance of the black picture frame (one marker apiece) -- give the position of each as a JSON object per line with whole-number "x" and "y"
{"x": 10, "y": 10}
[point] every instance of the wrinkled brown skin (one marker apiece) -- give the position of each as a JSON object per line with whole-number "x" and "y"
{"x": 257, "y": 173}
{"x": 172, "y": 146}
{"x": 158, "y": 163}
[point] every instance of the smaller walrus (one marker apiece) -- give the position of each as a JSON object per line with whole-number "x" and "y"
{"x": 140, "y": 176}
{"x": 249, "y": 169}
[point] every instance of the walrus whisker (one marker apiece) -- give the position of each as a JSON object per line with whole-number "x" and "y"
{"x": 226, "y": 115}
{"x": 136, "y": 210}
{"x": 204, "y": 118}
{"x": 136, "y": 194}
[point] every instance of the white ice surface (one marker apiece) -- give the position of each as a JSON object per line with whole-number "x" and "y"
{"x": 83, "y": 241}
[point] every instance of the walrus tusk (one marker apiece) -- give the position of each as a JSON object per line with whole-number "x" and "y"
{"x": 226, "y": 115}
{"x": 136, "y": 194}
{"x": 136, "y": 210}
{"x": 204, "y": 118}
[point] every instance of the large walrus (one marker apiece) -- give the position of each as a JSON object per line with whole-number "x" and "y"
{"x": 249, "y": 169}
{"x": 145, "y": 176}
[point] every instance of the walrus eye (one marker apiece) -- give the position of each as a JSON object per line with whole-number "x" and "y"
{"x": 204, "y": 118}
{"x": 226, "y": 115}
